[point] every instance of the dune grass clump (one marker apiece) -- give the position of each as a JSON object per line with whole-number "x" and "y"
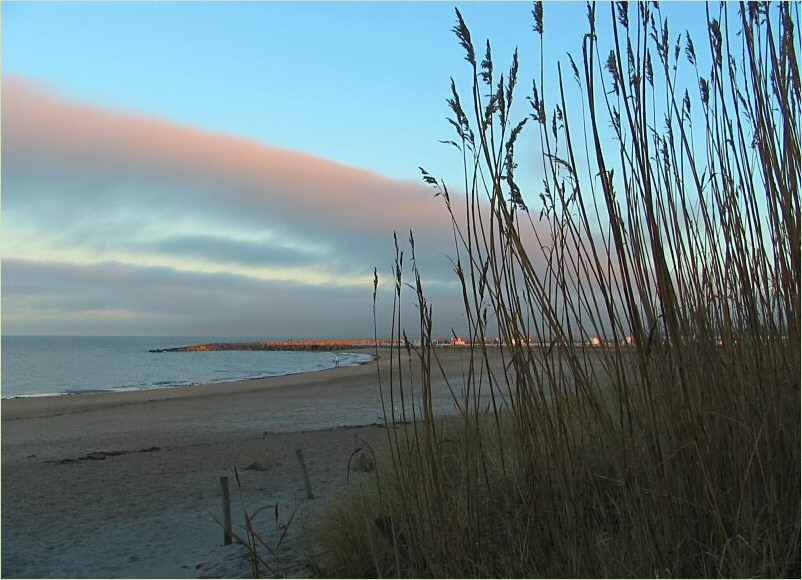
{"x": 668, "y": 232}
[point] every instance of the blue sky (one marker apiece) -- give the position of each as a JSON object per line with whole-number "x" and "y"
{"x": 236, "y": 168}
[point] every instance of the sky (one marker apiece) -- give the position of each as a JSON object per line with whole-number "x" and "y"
{"x": 235, "y": 168}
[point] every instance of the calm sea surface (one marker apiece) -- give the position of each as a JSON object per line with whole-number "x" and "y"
{"x": 49, "y": 365}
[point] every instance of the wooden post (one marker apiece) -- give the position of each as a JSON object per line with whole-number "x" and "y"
{"x": 308, "y": 485}
{"x": 226, "y": 511}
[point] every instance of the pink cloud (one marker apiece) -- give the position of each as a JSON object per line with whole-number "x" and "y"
{"x": 74, "y": 161}
{"x": 52, "y": 134}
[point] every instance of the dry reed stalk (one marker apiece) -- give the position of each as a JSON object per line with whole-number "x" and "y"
{"x": 677, "y": 452}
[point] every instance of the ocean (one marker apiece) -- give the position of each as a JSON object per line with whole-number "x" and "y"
{"x": 59, "y": 365}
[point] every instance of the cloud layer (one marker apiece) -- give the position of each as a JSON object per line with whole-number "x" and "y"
{"x": 46, "y": 297}
{"x": 117, "y": 197}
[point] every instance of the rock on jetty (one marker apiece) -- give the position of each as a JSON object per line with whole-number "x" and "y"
{"x": 318, "y": 345}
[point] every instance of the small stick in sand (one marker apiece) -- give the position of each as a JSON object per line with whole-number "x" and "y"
{"x": 308, "y": 485}
{"x": 226, "y": 511}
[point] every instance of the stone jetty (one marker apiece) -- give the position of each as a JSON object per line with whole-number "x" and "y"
{"x": 310, "y": 345}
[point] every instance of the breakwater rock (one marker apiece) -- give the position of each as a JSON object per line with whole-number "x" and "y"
{"x": 309, "y": 345}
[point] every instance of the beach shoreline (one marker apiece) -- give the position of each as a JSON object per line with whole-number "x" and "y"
{"x": 21, "y": 406}
{"x": 126, "y": 484}
{"x": 167, "y": 386}
{"x": 37, "y": 366}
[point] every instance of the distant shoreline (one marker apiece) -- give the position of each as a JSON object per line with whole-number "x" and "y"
{"x": 341, "y": 344}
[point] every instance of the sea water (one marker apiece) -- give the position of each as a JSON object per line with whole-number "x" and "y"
{"x": 59, "y": 365}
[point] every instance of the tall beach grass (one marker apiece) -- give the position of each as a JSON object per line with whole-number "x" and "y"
{"x": 667, "y": 225}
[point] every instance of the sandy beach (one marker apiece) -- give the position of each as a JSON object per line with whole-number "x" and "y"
{"x": 127, "y": 485}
